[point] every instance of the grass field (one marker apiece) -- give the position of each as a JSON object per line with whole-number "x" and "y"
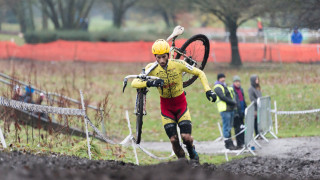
{"x": 293, "y": 86}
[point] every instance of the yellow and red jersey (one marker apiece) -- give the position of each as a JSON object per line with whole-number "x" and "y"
{"x": 172, "y": 76}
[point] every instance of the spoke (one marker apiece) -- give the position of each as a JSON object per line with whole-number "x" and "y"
{"x": 194, "y": 55}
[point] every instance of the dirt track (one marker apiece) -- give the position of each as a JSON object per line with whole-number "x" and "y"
{"x": 307, "y": 148}
{"x": 16, "y": 165}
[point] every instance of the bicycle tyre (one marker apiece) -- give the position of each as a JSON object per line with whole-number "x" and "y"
{"x": 139, "y": 120}
{"x": 203, "y": 59}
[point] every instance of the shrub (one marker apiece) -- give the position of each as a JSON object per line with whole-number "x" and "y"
{"x": 110, "y": 35}
{"x": 34, "y": 37}
{"x": 74, "y": 35}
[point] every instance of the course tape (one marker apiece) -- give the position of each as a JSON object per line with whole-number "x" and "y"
{"x": 244, "y": 129}
{"x": 40, "y": 108}
{"x": 63, "y": 111}
{"x": 124, "y": 142}
{"x": 295, "y": 112}
{"x": 152, "y": 155}
{"x": 98, "y": 132}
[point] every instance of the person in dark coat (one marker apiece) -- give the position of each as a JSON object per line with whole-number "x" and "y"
{"x": 254, "y": 94}
{"x": 239, "y": 112}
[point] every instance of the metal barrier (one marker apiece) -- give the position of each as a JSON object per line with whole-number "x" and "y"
{"x": 51, "y": 96}
{"x": 264, "y": 117}
{"x": 249, "y": 130}
{"x": 2, "y": 140}
{"x": 249, "y": 124}
{"x": 48, "y": 94}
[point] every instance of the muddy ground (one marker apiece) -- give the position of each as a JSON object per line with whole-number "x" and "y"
{"x": 307, "y": 148}
{"x": 17, "y": 165}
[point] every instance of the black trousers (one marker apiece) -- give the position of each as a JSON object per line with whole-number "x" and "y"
{"x": 238, "y": 127}
{"x": 256, "y": 125}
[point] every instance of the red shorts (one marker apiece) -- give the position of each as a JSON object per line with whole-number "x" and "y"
{"x": 174, "y": 109}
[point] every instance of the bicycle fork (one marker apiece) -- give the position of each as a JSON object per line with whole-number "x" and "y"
{"x": 144, "y": 96}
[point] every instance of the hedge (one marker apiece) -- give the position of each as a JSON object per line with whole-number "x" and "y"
{"x": 110, "y": 35}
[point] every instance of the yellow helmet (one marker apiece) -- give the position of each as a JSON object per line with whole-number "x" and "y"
{"x": 160, "y": 46}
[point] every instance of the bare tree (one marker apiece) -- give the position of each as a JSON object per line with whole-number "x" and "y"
{"x": 167, "y": 9}
{"x": 22, "y": 9}
{"x": 30, "y": 15}
{"x": 2, "y": 12}
{"x": 66, "y": 14}
{"x": 44, "y": 15}
{"x": 308, "y": 15}
{"x": 233, "y": 13}
{"x": 296, "y": 13}
{"x": 119, "y": 9}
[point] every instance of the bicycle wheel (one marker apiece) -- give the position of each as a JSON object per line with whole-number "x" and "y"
{"x": 139, "y": 114}
{"x": 197, "y": 48}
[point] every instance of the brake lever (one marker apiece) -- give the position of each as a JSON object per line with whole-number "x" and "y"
{"x": 124, "y": 84}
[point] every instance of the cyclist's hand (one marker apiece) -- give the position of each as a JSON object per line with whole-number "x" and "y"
{"x": 211, "y": 95}
{"x": 155, "y": 83}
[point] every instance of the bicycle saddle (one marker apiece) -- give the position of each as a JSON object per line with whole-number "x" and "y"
{"x": 178, "y": 30}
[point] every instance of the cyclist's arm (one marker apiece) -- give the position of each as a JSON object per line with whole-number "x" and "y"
{"x": 195, "y": 71}
{"x": 138, "y": 83}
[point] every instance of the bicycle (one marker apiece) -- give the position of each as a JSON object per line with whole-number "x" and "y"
{"x": 194, "y": 55}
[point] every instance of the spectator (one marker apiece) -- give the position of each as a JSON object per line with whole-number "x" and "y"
{"x": 254, "y": 94}
{"x": 17, "y": 93}
{"x": 28, "y": 95}
{"x": 40, "y": 99}
{"x": 84, "y": 24}
{"x": 296, "y": 37}
{"x": 226, "y": 105}
{"x": 260, "y": 27}
{"x": 239, "y": 112}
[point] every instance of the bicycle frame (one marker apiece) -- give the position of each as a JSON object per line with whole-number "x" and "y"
{"x": 144, "y": 92}
{"x": 142, "y": 76}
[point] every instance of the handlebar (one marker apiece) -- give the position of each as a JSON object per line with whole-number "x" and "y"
{"x": 141, "y": 76}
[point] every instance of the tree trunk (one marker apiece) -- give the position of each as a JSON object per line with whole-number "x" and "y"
{"x": 236, "y": 59}
{"x": 53, "y": 13}
{"x": 174, "y": 19}
{"x": 3, "y": 12}
{"x": 44, "y": 16}
{"x": 2, "y": 16}
{"x": 71, "y": 14}
{"x": 31, "y": 26}
{"x": 118, "y": 17}
{"x": 84, "y": 14}
{"x": 21, "y": 14}
{"x": 165, "y": 17}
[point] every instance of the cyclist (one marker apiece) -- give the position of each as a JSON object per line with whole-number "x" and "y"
{"x": 173, "y": 102}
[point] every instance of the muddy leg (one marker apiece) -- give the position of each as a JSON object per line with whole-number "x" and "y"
{"x": 176, "y": 146}
{"x": 188, "y": 141}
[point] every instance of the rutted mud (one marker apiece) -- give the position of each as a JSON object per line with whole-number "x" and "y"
{"x": 16, "y": 165}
